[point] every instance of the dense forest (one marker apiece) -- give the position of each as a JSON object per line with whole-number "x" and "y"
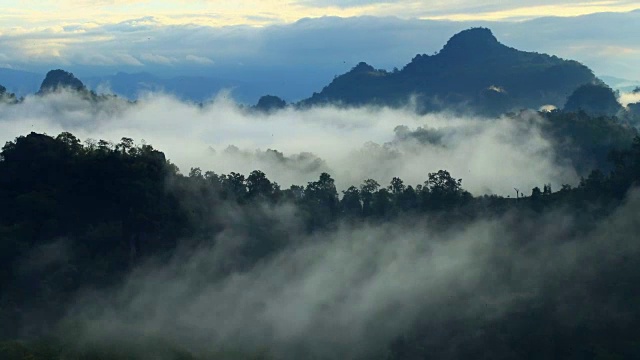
{"x": 85, "y": 226}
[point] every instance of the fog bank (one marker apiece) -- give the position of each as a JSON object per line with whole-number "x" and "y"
{"x": 490, "y": 155}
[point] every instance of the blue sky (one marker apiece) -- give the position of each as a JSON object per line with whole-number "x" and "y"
{"x": 311, "y": 39}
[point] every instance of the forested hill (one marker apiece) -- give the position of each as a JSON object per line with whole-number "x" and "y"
{"x": 85, "y": 216}
{"x": 473, "y": 71}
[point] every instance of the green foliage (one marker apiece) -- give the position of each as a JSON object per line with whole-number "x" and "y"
{"x": 594, "y": 99}
{"x": 108, "y": 207}
{"x": 586, "y": 140}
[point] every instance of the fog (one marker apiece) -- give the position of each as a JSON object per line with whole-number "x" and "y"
{"x": 352, "y": 288}
{"x": 349, "y": 292}
{"x": 490, "y": 155}
{"x": 627, "y": 98}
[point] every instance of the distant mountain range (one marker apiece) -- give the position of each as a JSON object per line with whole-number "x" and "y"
{"x": 620, "y": 84}
{"x": 131, "y": 86}
{"x": 473, "y": 72}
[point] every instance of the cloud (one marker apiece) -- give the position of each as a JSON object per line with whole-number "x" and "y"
{"x": 629, "y": 98}
{"x": 523, "y": 10}
{"x": 158, "y": 59}
{"x": 254, "y": 12}
{"x": 490, "y": 155}
{"x": 127, "y": 59}
{"x": 299, "y": 58}
{"x": 199, "y": 59}
{"x": 348, "y": 3}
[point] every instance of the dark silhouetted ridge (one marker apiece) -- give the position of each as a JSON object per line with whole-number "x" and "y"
{"x": 59, "y": 79}
{"x": 594, "y": 99}
{"x": 269, "y": 103}
{"x": 362, "y": 67}
{"x": 473, "y": 72}
{"x": 471, "y": 41}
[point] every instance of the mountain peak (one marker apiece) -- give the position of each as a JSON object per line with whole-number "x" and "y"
{"x": 269, "y": 103}
{"x": 470, "y": 41}
{"x": 56, "y": 79}
{"x": 473, "y": 71}
{"x": 362, "y": 67}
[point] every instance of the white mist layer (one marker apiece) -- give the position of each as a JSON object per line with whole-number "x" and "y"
{"x": 349, "y": 292}
{"x": 490, "y": 155}
{"x": 629, "y": 98}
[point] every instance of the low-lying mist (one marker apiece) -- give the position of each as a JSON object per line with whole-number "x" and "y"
{"x": 294, "y": 146}
{"x": 351, "y": 291}
{"x": 210, "y": 271}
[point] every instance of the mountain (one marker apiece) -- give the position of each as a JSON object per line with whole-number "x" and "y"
{"x": 269, "y": 103}
{"x": 473, "y": 71}
{"x": 60, "y": 79}
{"x": 595, "y": 100}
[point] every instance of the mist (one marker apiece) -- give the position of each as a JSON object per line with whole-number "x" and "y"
{"x": 627, "y": 98}
{"x": 349, "y": 292}
{"x": 215, "y": 273}
{"x": 293, "y": 146}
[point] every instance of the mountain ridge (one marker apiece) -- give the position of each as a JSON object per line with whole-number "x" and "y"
{"x": 473, "y": 71}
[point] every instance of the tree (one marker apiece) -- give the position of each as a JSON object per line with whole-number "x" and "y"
{"x": 322, "y": 198}
{"x": 367, "y": 189}
{"x": 443, "y": 182}
{"x": 397, "y": 186}
{"x": 351, "y": 205}
{"x": 594, "y": 99}
{"x": 258, "y": 185}
{"x": 408, "y": 200}
{"x": 294, "y": 192}
{"x": 126, "y": 145}
{"x": 195, "y": 173}
{"x": 234, "y": 185}
{"x": 381, "y": 202}
{"x": 536, "y": 193}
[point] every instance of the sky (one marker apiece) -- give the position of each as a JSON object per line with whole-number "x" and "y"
{"x": 293, "y": 48}
{"x": 31, "y": 14}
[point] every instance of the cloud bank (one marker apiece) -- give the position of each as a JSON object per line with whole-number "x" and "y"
{"x": 294, "y": 146}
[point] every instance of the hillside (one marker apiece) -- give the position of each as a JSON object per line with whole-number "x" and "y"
{"x": 60, "y": 79}
{"x": 472, "y": 71}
